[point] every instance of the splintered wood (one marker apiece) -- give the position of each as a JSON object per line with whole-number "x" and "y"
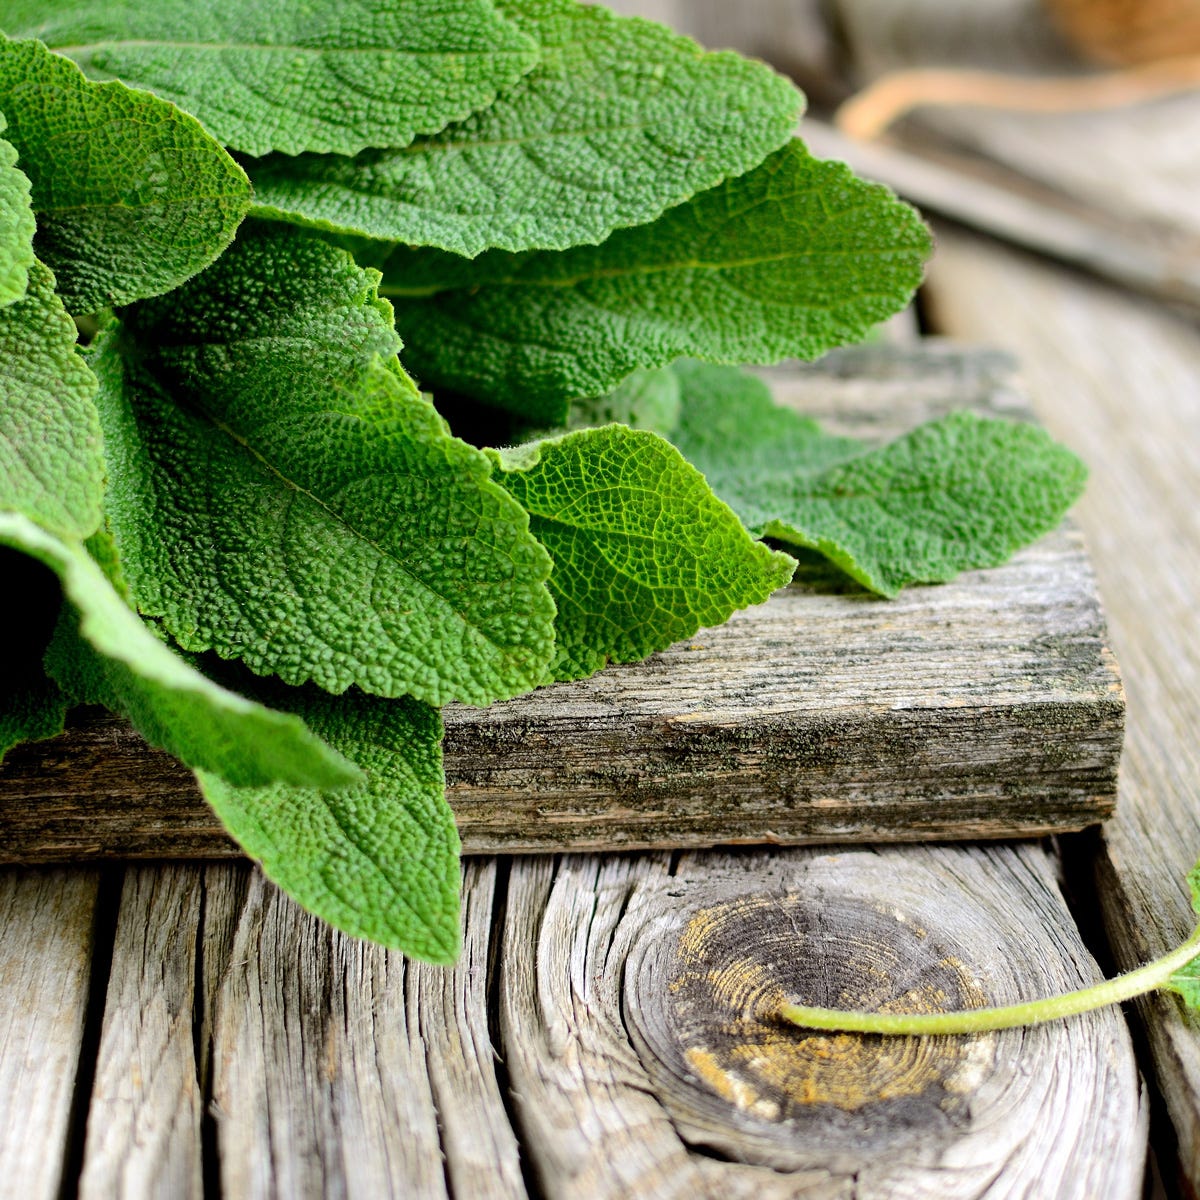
{"x": 610, "y": 1032}
{"x": 986, "y": 707}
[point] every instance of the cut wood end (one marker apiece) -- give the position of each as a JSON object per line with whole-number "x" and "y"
{"x": 736, "y": 963}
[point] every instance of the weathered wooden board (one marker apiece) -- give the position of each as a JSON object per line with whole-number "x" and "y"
{"x": 987, "y": 707}
{"x": 249, "y": 1051}
{"x": 637, "y": 999}
{"x": 1119, "y": 379}
{"x": 46, "y": 940}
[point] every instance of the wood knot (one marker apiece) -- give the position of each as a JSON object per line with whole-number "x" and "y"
{"x": 708, "y": 1012}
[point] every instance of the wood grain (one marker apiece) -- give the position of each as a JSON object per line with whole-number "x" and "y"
{"x": 1117, "y": 377}
{"x": 986, "y": 707}
{"x": 339, "y": 1068}
{"x": 143, "y": 1132}
{"x": 46, "y": 938}
{"x": 636, "y": 1009}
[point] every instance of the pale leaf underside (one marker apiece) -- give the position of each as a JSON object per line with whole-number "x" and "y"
{"x": 644, "y": 554}
{"x": 960, "y": 492}
{"x": 102, "y": 653}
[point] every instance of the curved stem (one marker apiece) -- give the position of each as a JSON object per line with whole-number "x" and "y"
{"x": 984, "y": 1020}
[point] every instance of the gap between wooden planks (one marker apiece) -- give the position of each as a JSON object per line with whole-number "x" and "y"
{"x": 987, "y": 707}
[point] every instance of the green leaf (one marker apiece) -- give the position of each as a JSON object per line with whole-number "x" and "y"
{"x": 649, "y": 400}
{"x": 330, "y": 75}
{"x": 103, "y": 654}
{"x": 32, "y": 706}
{"x": 1193, "y": 882}
{"x": 644, "y": 554}
{"x": 17, "y": 224}
{"x": 51, "y": 459}
{"x": 620, "y": 120}
{"x": 132, "y": 197}
{"x": 957, "y": 493}
{"x": 791, "y": 259}
{"x": 282, "y": 494}
{"x": 644, "y": 400}
{"x": 379, "y": 860}
{"x": 1186, "y": 981}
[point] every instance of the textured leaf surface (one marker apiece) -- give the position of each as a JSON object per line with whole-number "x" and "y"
{"x": 51, "y": 460}
{"x": 16, "y": 224}
{"x": 103, "y": 654}
{"x": 620, "y": 120}
{"x": 379, "y": 860}
{"x": 304, "y": 508}
{"x": 957, "y": 493}
{"x": 332, "y": 75}
{"x": 644, "y": 400}
{"x": 644, "y": 554}
{"x": 131, "y": 195}
{"x": 792, "y": 258}
{"x": 32, "y": 705}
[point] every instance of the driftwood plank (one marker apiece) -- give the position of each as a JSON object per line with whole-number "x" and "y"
{"x": 47, "y": 920}
{"x": 1117, "y": 377}
{"x": 987, "y": 707}
{"x": 636, "y": 1010}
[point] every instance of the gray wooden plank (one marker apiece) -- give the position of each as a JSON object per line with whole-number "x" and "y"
{"x": 247, "y": 1046}
{"x": 143, "y": 1130}
{"x": 339, "y": 1068}
{"x": 637, "y": 1000}
{"x": 825, "y": 714}
{"x": 47, "y": 921}
{"x": 1117, "y": 377}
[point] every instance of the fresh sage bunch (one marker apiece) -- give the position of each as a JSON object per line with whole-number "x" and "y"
{"x": 297, "y": 236}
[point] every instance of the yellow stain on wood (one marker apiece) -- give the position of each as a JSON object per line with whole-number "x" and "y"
{"x": 730, "y": 989}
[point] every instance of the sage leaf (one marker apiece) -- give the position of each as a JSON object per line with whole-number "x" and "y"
{"x": 51, "y": 456}
{"x": 644, "y": 554}
{"x": 620, "y": 120}
{"x": 131, "y": 196}
{"x": 327, "y": 75}
{"x": 102, "y": 653}
{"x": 17, "y": 224}
{"x": 792, "y": 258}
{"x": 959, "y": 492}
{"x": 282, "y": 494}
{"x": 647, "y": 399}
{"x": 379, "y": 860}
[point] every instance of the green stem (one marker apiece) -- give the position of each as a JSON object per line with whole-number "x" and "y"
{"x": 984, "y": 1020}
